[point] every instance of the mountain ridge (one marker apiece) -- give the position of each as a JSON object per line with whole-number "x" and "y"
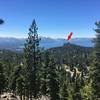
{"x": 11, "y": 43}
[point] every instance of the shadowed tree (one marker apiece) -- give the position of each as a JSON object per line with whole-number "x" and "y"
{"x": 2, "y": 79}
{"x": 53, "y": 81}
{"x": 95, "y": 69}
{"x": 45, "y": 74}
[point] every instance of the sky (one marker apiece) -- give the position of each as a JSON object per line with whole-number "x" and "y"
{"x": 54, "y": 18}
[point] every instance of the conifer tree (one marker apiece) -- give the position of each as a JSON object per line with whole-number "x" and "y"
{"x": 77, "y": 89}
{"x": 45, "y": 74}
{"x": 20, "y": 81}
{"x": 64, "y": 91}
{"x": 2, "y": 79}
{"x": 32, "y": 62}
{"x": 95, "y": 69}
{"x": 13, "y": 82}
{"x": 65, "y": 80}
{"x": 53, "y": 81}
{"x": 86, "y": 91}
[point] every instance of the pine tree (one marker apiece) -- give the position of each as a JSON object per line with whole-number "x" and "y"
{"x": 45, "y": 73}
{"x": 95, "y": 69}
{"x": 53, "y": 81}
{"x": 20, "y": 81}
{"x": 77, "y": 89}
{"x": 86, "y": 91}
{"x": 13, "y": 81}
{"x": 2, "y": 79}
{"x": 97, "y": 40}
{"x": 64, "y": 91}
{"x": 64, "y": 80}
{"x": 32, "y": 62}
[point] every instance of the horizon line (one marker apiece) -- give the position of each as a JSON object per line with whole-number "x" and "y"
{"x": 43, "y": 37}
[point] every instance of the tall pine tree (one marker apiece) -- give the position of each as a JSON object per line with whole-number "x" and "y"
{"x": 32, "y": 62}
{"x": 95, "y": 69}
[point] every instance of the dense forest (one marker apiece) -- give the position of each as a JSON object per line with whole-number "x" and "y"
{"x": 70, "y": 72}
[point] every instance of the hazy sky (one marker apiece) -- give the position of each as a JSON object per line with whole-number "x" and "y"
{"x": 55, "y": 18}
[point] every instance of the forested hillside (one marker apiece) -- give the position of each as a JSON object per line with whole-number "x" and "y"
{"x": 71, "y": 54}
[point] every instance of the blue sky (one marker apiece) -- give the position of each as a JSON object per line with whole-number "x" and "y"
{"x": 55, "y": 18}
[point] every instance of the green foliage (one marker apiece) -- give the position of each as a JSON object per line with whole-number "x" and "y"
{"x": 45, "y": 74}
{"x": 95, "y": 66}
{"x": 64, "y": 80}
{"x": 64, "y": 91}
{"x": 2, "y": 78}
{"x": 53, "y": 81}
{"x": 32, "y": 62}
{"x": 97, "y": 40}
{"x": 77, "y": 88}
{"x": 71, "y": 55}
{"x": 86, "y": 92}
{"x": 20, "y": 81}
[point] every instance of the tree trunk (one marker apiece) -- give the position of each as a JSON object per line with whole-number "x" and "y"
{"x": 30, "y": 95}
{"x": 21, "y": 95}
{"x": 0, "y": 94}
{"x": 27, "y": 95}
{"x": 24, "y": 95}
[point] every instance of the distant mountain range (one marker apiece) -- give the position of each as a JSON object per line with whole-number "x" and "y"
{"x": 17, "y": 44}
